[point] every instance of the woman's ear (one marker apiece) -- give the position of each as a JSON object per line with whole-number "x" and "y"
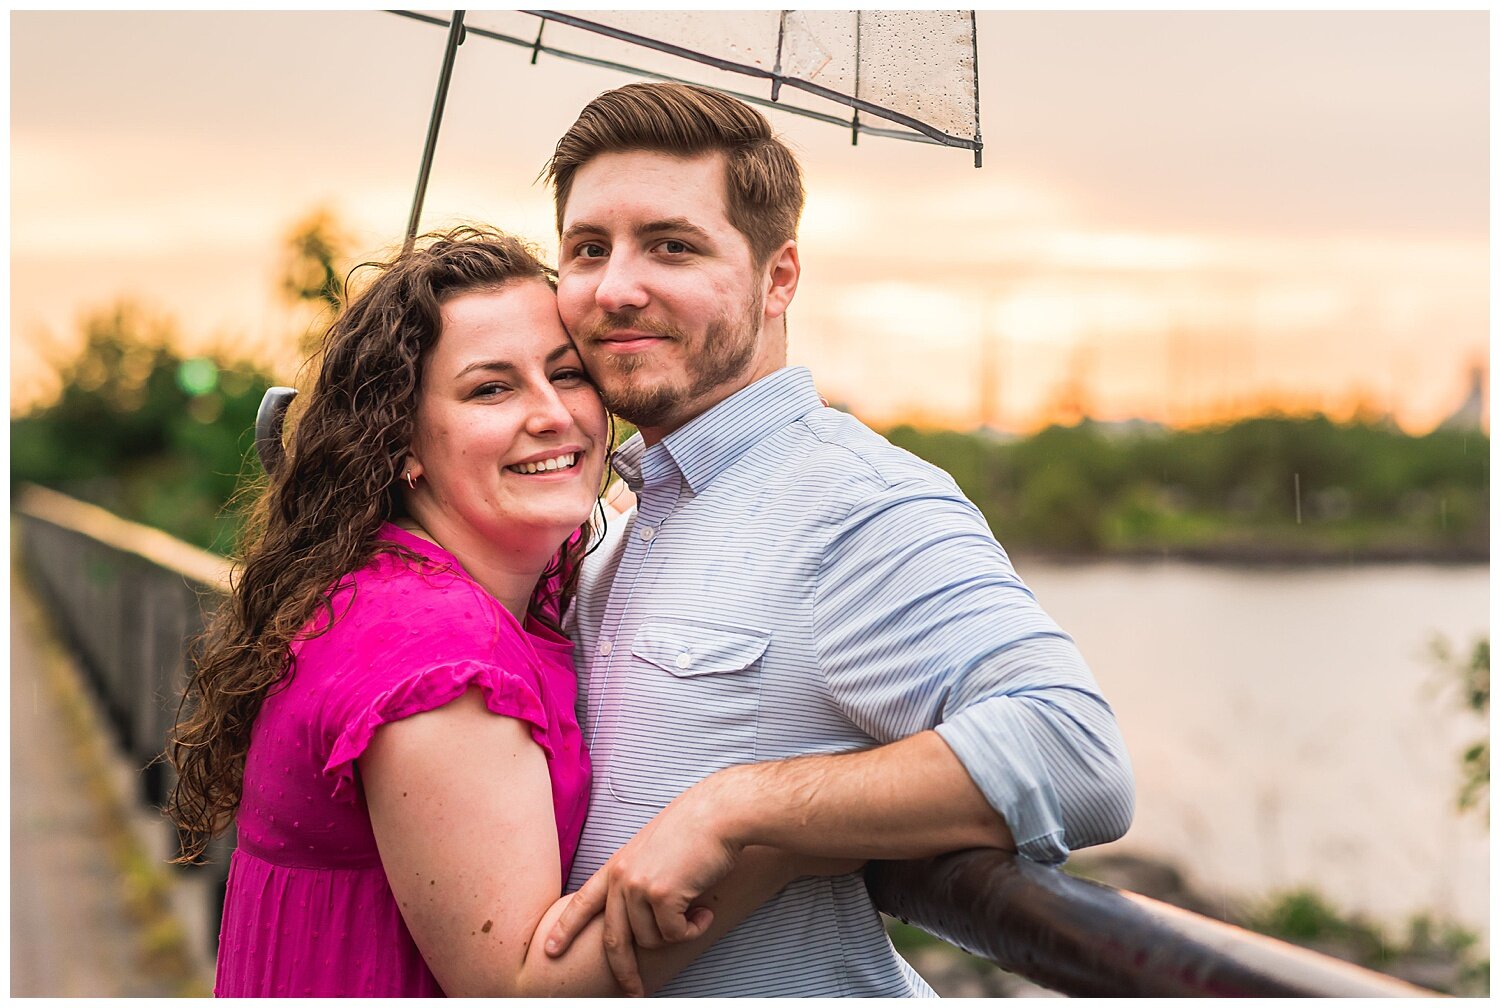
{"x": 411, "y": 471}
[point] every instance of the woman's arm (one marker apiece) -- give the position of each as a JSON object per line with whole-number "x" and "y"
{"x": 461, "y": 806}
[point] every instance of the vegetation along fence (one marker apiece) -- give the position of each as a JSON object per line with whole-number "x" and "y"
{"x": 128, "y": 598}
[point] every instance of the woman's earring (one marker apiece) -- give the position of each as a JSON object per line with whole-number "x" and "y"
{"x": 411, "y": 480}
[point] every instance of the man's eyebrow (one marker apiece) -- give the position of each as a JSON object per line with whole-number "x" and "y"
{"x": 581, "y": 228}
{"x": 674, "y": 225}
{"x": 557, "y": 353}
{"x": 667, "y": 225}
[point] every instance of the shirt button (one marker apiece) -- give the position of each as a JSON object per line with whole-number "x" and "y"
{"x": 684, "y": 660}
{"x": 605, "y": 647}
{"x": 648, "y": 533}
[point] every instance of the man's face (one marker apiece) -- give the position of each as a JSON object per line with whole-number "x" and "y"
{"x": 659, "y": 290}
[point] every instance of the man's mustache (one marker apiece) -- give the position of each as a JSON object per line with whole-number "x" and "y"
{"x": 615, "y": 321}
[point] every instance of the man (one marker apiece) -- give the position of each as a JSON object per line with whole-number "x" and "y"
{"x": 790, "y": 585}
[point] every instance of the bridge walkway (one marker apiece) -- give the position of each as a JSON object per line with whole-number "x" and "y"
{"x": 90, "y": 915}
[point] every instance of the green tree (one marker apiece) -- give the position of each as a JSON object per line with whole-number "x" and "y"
{"x": 313, "y": 267}
{"x": 1470, "y": 676}
{"x": 1270, "y": 487}
{"x": 145, "y": 431}
{"x": 159, "y": 436}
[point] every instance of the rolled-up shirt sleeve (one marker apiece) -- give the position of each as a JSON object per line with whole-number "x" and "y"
{"x": 921, "y": 622}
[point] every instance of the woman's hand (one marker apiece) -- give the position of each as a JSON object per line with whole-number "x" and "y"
{"x": 618, "y": 498}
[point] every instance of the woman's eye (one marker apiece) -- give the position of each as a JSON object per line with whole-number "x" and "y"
{"x": 487, "y": 389}
{"x": 570, "y": 376}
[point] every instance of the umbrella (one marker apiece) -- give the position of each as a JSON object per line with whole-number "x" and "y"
{"x": 915, "y": 72}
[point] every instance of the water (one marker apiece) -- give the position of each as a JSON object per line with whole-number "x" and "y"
{"x": 1288, "y": 727}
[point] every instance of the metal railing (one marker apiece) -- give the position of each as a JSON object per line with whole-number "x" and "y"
{"x": 1086, "y": 939}
{"x": 128, "y": 598}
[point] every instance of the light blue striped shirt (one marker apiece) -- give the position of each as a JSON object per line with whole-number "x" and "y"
{"x": 792, "y": 583}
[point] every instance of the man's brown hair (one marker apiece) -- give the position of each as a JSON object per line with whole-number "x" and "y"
{"x": 763, "y": 184}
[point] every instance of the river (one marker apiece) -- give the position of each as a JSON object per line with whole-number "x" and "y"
{"x": 1288, "y": 726}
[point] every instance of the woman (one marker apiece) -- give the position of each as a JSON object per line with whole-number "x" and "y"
{"x": 385, "y": 702}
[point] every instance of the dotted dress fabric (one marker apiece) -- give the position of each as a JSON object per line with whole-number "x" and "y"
{"x": 308, "y": 911}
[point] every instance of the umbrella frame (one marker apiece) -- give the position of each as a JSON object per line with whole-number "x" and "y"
{"x": 916, "y": 130}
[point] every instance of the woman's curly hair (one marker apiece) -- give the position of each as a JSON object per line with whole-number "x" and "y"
{"x": 317, "y": 518}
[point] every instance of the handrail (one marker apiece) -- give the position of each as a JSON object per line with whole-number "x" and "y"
{"x": 1082, "y": 938}
{"x": 151, "y": 544}
{"x": 129, "y": 597}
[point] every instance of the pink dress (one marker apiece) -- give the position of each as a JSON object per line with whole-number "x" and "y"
{"x": 308, "y": 911}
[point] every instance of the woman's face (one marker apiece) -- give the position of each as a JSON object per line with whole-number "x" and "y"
{"x": 510, "y": 435}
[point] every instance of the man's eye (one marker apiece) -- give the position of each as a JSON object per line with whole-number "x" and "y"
{"x": 590, "y": 250}
{"x": 674, "y": 247}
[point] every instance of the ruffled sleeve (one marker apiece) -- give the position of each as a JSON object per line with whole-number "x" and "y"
{"x": 505, "y": 692}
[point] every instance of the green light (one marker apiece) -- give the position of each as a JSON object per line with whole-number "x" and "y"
{"x": 197, "y": 376}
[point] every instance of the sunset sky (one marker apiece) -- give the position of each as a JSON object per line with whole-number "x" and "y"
{"x": 1181, "y": 216}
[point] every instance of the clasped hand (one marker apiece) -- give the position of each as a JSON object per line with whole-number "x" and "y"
{"x": 652, "y": 891}
{"x": 663, "y": 887}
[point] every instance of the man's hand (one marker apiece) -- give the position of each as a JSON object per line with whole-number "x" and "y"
{"x": 651, "y": 892}
{"x": 906, "y": 799}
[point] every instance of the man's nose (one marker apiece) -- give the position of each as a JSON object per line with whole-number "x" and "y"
{"x": 621, "y": 286}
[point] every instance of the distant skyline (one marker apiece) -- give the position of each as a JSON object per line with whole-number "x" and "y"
{"x": 1182, "y": 216}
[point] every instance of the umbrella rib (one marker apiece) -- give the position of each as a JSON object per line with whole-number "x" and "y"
{"x": 974, "y": 48}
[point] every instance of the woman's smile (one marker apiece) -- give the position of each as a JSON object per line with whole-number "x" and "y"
{"x": 559, "y": 463}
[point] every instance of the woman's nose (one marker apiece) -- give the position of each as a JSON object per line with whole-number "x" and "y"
{"x": 548, "y": 412}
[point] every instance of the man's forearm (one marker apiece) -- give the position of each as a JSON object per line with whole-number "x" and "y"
{"x": 907, "y": 799}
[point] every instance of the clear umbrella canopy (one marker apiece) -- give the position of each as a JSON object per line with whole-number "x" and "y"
{"x": 909, "y": 74}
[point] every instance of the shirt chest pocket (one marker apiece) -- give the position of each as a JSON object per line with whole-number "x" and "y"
{"x": 689, "y": 708}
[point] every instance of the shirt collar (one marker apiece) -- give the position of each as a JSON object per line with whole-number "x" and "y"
{"x": 708, "y": 444}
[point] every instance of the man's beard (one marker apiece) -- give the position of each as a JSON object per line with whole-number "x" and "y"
{"x": 725, "y": 353}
